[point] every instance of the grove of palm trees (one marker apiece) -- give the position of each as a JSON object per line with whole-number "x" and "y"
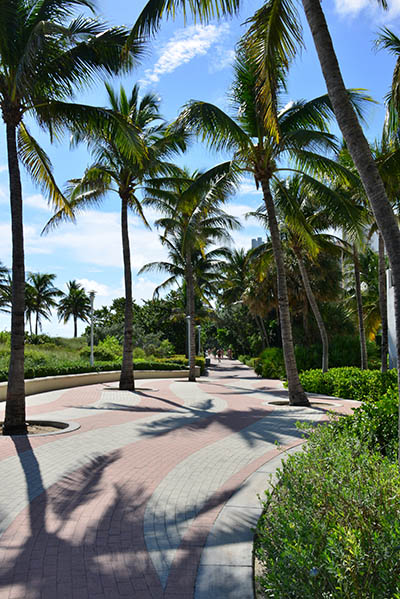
{"x": 308, "y": 304}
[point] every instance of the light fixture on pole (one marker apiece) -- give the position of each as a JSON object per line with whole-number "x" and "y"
{"x": 198, "y": 327}
{"x": 91, "y": 295}
{"x": 188, "y": 336}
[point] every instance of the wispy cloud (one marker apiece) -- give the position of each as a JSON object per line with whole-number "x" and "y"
{"x": 248, "y": 187}
{"x": 224, "y": 58}
{"x": 354, "y": 7}
{"x": 38, "y": 202}
{"x": 183, "y": 46}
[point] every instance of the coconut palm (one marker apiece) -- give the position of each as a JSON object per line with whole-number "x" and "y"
{"x": 74, "y": 304}
{"x": 299, "y": 131}
{"x": 306, "y": 209}
{"x": 117, "y": 170}
{"x": 45, "y": 55}
{"x": 42, "y": 294}
{"x": 5, "y": 289}
{"x": 192, "y": 221}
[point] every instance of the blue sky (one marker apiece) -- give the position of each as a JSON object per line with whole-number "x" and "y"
{"x": 182, "y": 63}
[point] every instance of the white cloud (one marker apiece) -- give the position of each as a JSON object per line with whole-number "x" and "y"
{"x": 222, "y": 60}
{"x": 183, "y": 46}
{"x": 91, "y": 285}
{"x": 38, "y": 202}
{"x": 248, "y": 187}
{"x": 351, "y": 8}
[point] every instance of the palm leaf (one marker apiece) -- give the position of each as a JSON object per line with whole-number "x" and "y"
{"x": 38, "y": 164}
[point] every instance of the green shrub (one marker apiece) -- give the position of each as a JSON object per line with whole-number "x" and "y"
{"x": 350, "y": 383}
{"x": 330, "y": 528}
{"x": 138, "y": 353}
{"x": 376, "y": 424}
{"x": 270, "y": 364}
{"x": 107, "y": 350}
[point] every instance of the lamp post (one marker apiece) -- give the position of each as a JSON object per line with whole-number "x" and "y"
{"x": 188, "y": 336}
{"x": 91, "y": 295}
{"x": 198, "y": 327}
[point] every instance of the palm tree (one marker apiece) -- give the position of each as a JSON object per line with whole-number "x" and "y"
{"x": 5, "y": 289}
{"x": 75, "y": 303}
{"x": 241, "y": 285}
{"x": 307, "y": 208}
{"x": 117, "y": 169}
{"x": 192, "y": 221}
{"x": 43, "y": 60}
{"x": 298, "y": 131}
{"x": 43, "y": 296}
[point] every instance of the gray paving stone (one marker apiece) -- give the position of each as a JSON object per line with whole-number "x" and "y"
{"x": 224, "y": 582}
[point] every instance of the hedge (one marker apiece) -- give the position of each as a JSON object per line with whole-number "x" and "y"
{"x": 350, "y": 383}
{"x": 330, "y": 528}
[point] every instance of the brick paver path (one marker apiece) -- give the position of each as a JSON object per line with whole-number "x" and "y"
{"x": 133, "y": 504}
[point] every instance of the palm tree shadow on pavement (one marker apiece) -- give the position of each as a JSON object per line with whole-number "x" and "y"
{"x": 85, "y": 538}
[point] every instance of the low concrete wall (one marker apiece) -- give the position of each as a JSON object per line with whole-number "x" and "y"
{"x": 51, "y": 383}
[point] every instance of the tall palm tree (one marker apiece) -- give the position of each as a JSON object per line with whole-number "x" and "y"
{"x": 5, "y": 289}
{"x": 75, "y": 303}
{"x": 117, "y": 170}
{"x": 278, "y": 33}
{"x": 192, "y": 221}
{"x": 43, "y": 296}
{"x": 298, "y": 130}
{"x": 45, "y": 55}
{"x": 306, "y": 209}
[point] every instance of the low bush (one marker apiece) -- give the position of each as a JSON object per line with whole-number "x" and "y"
{"x": 343, "y": 351}
{"x": 376, "y": 424}
{"x": 330, "y": 528}
{"x": 350, "y": 383}
{"x": 107, "y": 350}
{"x": 270, "y": 364}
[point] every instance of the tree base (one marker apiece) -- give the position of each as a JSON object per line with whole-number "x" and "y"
{"x": 192, "y": 379}
{"x": 126, "y": 385}
{"x": 298, "y": 399}
{"x": 17, "y": 429}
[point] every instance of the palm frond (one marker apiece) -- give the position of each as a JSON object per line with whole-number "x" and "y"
{"x": 38, "y": 164}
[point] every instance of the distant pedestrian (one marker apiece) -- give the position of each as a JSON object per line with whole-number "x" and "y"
{"x": 220, "y": 353}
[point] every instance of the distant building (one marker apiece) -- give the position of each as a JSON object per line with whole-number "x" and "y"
{"x": 255, "y": 243}
{"x": 391, "y": 321}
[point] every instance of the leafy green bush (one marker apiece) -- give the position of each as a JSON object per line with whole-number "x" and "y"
{"x": 330, "y": 528}
{"x": 270, "y": 364}
{"x": 343, "y": 351}
{"x": 350, "y": 383}
{"x": 376, "y": 424}
{"x": 138, "y": 353}
{"x": 107, "y": 350}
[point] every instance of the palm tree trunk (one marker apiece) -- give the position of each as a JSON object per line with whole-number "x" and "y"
{"x": 127, "y": 381}
{"x": 263, "y": 344}
{"x": 36, "y": 323}
{"x": 359, "y": 150}
{"x": 317, "y": 314}
{"x": 361, "y": 329}
{"x": 15, "y": 404}
{"x": 263, "y": 331}
{"x": 75, "y": 326}
{"x": 190, "y": 311}
{"x": 296, "y": 392}
{"x": 383, "y": 303}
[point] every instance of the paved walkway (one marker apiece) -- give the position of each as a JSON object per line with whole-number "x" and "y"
{"x": 153, "y": 497}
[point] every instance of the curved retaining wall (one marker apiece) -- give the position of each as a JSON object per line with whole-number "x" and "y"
{"x": 51, "y": 383}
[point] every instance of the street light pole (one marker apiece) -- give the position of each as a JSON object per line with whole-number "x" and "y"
{"x": 199, "y": 330}
{"x": 188, "y": 336}
{"x": 91, "y": 295}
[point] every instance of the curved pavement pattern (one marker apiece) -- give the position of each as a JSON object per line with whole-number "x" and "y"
{"x": 153, "y": 497}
